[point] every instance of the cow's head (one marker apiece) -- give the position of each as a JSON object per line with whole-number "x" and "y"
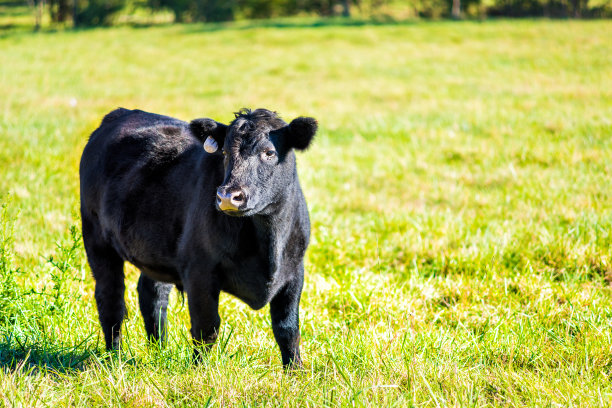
{"x": 258, "y": 158}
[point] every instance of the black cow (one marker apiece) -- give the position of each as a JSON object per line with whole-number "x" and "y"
{"x": 232, "y": 220}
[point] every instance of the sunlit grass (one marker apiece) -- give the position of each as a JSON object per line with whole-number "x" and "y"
{"x": 460, "y": 198}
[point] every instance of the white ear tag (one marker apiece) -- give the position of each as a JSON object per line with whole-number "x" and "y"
{"x": 210, "y": 145}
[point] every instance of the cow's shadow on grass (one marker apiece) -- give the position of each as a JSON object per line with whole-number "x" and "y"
{"x": 50, "y": 358}
{"x": 38, "y": 357}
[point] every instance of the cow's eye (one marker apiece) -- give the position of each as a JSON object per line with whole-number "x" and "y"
{"x": 269, "y": 154}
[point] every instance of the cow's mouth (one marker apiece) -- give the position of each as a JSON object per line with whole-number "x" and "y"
{"x": 233, "y": 213}
{"x": 236, "y": 212}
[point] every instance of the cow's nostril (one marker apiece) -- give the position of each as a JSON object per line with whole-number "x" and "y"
{"x": 238, "y": 197}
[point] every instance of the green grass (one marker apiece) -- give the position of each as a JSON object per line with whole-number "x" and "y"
{"x": 459, "y": 189}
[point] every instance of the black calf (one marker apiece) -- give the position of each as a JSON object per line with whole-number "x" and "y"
{"x": 233, "y": 219}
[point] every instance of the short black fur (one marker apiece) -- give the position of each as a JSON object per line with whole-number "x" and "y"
{"x": 152, "y": 196}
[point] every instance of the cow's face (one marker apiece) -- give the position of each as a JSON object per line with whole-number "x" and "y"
{"x": 258, "y": 157}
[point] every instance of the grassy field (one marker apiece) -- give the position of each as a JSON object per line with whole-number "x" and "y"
{"x": 459, "y": 189}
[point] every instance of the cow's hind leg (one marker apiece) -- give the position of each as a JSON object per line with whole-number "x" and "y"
{"x": 153, "y": 298}
{"x": 107, "y": 269}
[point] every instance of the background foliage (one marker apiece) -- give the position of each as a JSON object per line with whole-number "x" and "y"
{"x": 107, "y": 12}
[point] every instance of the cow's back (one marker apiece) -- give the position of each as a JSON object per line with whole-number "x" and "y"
{"x": 139, "y": 174}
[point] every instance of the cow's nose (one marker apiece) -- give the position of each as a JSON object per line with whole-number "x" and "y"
{"x": 230, "y": 200}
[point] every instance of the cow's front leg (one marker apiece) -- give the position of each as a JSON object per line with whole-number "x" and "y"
{"x": 203, "y": 298}
{"x": 284, "y": 309}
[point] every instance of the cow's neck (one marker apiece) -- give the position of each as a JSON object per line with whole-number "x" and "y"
{"x": 273, "y": 229}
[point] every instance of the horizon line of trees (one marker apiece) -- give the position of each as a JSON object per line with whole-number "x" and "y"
{"x": 102, "y": 12}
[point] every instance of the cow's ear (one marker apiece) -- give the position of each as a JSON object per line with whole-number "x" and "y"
{"x": 209, "y": 132}
{"x": 300, "y": 132}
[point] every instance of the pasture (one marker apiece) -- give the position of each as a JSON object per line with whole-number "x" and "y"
{"x": 459, "y": 190}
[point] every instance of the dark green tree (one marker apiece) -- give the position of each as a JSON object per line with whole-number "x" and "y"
{"x": 59, "y": 10}
{"x": 196, "y": 10}
{"x": 261, "y": 8}
{"x": 215, "y": 10}
{"x": 180, "y": 8}
{"x": 97, "y": 12}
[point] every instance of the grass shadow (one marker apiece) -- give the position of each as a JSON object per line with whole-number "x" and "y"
{"x": 15, "y": 355}
{"x": 296, "y": 23}
{"x": 32, "y": 357}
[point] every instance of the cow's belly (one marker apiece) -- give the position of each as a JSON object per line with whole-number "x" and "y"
{"x": 161, "y": 273}
{"x": 149, "y": 257}
{"x": 148, "y": 245}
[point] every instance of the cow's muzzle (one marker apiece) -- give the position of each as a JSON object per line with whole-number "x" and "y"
{"x": 231, "y": 200}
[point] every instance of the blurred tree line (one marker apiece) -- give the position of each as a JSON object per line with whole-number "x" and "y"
{"x": 101, "y": 12}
